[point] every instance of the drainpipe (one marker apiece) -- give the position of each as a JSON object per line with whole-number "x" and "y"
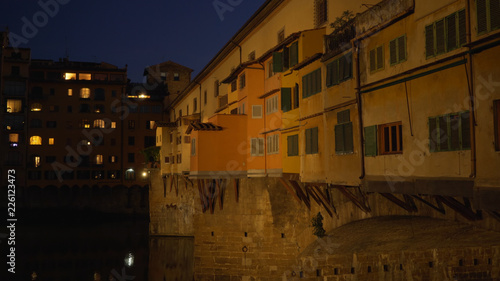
{"x": 472, "y": 110}
{"x": 356, "y": 45}
{"x": 201, "y": 118}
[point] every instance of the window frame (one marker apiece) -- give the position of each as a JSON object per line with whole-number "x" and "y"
{"x": 308, "y": 83}
{"x": 437, "y": 143}
{"x": 292, "y": 145}
{"x": 377, "y": 59}
{"x": 258, "y": 149}
{"x": 381, "y": 138}
{"x": 312, "y": 141}
{"x": 397, "y": 50}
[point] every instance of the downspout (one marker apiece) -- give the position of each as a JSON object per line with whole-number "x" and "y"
{"x": 472, "y": 110}
{"x": 201, "y": 117}
{"x": 356, "y": 45}
{"x": 238, "y": 47}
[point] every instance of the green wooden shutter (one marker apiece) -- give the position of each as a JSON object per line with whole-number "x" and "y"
{"x": 482, "y": 20}
{"x": 372, "y": 60}
{"x": 454, "y": 132}
{"x": 339, "y": 138}
{"x": 371, "y": 141}
{"x": 380, "y": 57}
{"x": 294, "y": 53}
{"x": 286, "y": 58}
{"x": 277, "y": 62}
{"x": 349, "y": 65}
{"x": 304, "y": 86}
{"x": 308, "y": 141}
{"x": 335, "y": 72}
{"x": 348, "y": 137}
{"x": 440, "y": 37}
{"x": 494, "y": 14}
{"x": 296, "y": 96}
{"x": 315, "y": 140}
{"x": 433, "y": 134}
{"x": 289, "y": 145}
{"x": 393, "y": 56}
{"x": 443, "y": 133}
{"x": 342, "y": 63}
{"x": 343, "y": 116}
{"x": 295, "y": 145}
{"x": 462, "y": 34}
{"x": 286, "y": 99}
{"x": 329, "y": 68}
{"x": 451, "y": 30}
{"x": 429, "y": 41}
{"x": 318, "y": 80}
{"x": 402, "y": 48}
{"x": 465, "y": 124}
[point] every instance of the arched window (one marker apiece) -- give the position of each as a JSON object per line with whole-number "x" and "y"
{"x": 36, "y": 107}
{"x": 99, "y": 123}
{"x": 85, "y": 93}
{"x": 130, "y": 174}
{"x": 35, "y": 140}
{"x": 84, "y": 123}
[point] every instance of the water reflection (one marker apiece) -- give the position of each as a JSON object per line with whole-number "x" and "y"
{"x": 101, "y": 252}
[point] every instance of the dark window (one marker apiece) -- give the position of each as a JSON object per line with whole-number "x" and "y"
{"x": 344, "y": 133}
{"x": 15, "y": 71}
{"x": 391, "y": 138}
{"x": 131, "y": 140}
{"x": 286, "y": 99}
{"x": 449, "y": 132}
{"x": 54, "y": 75}
{"x": 242, "y": 81}
{"x": 113, "y": 93}
{"x": 131, "y": 124}
{"x": 54, "y": 108}
{"x": 293, "y": 145}
{"x": 251, "y": 56}
{"x": 488, "y": 15}
{"x": 195, "y": 105}
{"x": 311, "y": 83}
{"x": 84, "y": 108}
{"x": 320, "y": 12}
{"x": 36, "y": 123}
{"x": 205, "y": 97}
{"x": 83, "y": 175}
{"x": 397, "y": 50}
{"x": 149, "y": 141}
{"x": 216, "y": 88}
{"x": 445, "y": 34}
{"x": 312, "y": 140}
{"x": 277, "y": 62}
{"x": 176, "y": 76}
{"x": 131, "y": 157}
{"x": 281, "y": 35}
{"x": 377, "y": 58}
{"x": 339, "y": 70}
{"x": 234, "y": 85}
{"x": 52, "y": 91}
{"x": 294, "y": 54}
{"x": 70, "y": 108}
{"x": 50, "y": 159}
{"x": 99, "y": 94}
{"x": 51, "y": 124}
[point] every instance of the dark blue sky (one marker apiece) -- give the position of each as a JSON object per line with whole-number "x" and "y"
{"x": 133, "y": 32}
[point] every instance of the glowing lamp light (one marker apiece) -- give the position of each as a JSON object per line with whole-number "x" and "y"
{"x": 144, "y": 174}
{"x": 129, "y": 260}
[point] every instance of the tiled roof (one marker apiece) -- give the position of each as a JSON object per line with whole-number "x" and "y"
{"x": 199, "y": 126}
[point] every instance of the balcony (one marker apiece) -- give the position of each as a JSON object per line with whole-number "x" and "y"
{"x": 339, "y": 40}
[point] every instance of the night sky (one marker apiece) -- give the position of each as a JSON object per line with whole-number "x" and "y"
{"x": 137, "y": 33}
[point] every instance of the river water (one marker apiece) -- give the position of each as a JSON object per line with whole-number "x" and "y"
{"x": 118, "y": 251}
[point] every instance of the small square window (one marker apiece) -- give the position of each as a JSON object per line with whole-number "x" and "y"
{"x": 51, "y": 141}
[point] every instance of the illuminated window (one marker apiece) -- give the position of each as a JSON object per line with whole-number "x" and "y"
{"x": 70, "y": 92}
{"x": 101, "y": 76}
{"x": 84, "y": 142}
{"x": 99, "y": 159}
{"x": 85, "y": 124}
{"x": 112, "y": 159}
{"x": 14, "y": 106}
{"x": 69, "y": 76}
{"x": 84, "y": 76}
{"x": 36, "y": 107}
{"x": 85, "y": 93}
{"x": 51, "y": 141}
{"x": 99, "y": 123}
{"x": 36, "y": 140}
{"x": 113, "y": 125}
{"x": 130, "y": 174}
{"x": 36, "y": 161}
{"x": 14, "y": 139}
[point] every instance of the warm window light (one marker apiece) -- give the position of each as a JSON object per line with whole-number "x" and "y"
{"x": 84, "y": 76}
{"x": 113, "y": 125}
{"x": 69, "y": 76}
{"x": 14, "y": 106}
{"x": 99, "y": 123}
{"x": 84, "y": 93}
{"x": 36, "y": 107}
{"x": 113, "y": 159}
{"x": 99, "y": 159}
{"x": 36, "y": 140}
{"x": 70, "y": 92}
{"x": 51, "y": 141}
{"x": 37, "y": 161}
{"x": 13, "y": 137}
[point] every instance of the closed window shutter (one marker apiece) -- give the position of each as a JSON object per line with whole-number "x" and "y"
{"x": 348, "y": 138}
{"x": 372, "y": 60}
{"x": 329, "y": 69}
{"x": 339, "y": 138}
{"x": 433, "y": 135}
{"x": 289, "y": 145}
{"x": 335, "y": 73}
{"x": 286, "y": 58}
{"x": 429, "y": 40}
{"x": 454, "y": 132}
{"x": 296, "y": 96}
{"x": 443, "y": 133}
{"x": 261, "y": 146}
{"x": 482, "y": 20}
{"x": 296, "y": 145}
{"x": 304, "y": 87}
{"x": 494, "y": 14}
{"x": 308, "y": 141}
{"x": 315, "y": 140}
{"x": 318, "y": 80}
{"x": 371, "y": 141}
{"x": 277, "y": 62}
{"x": 451, "y": 28}
{"x": 440, "y": 37}
{"x": 401, "y": 48}
{"x": 343, "y": 116}
{"x": 462, "y": 36}
{"x": 380, "y": 57}
{"x": 294, "y": 53}
{"x": 465, "y": 124}
{"x": 342, "y": 62}
{"x": 286, "y": 99}
{"x": 392, "y": 52}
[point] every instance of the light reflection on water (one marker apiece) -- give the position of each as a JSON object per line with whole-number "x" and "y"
{"x": 101, "y": 252}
